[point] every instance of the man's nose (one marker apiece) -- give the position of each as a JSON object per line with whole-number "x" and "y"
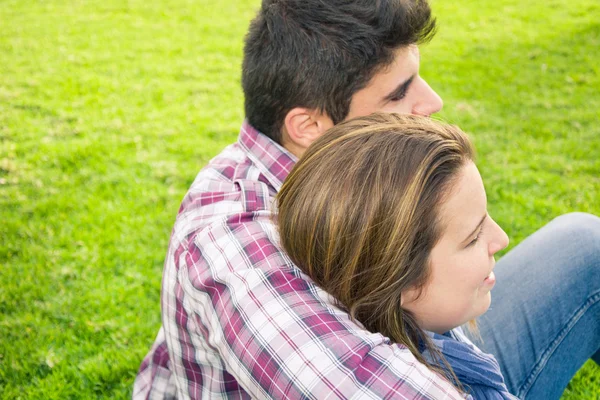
{"x": 429, "y": 102}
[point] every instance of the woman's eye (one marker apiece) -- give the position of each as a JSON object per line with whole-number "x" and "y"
{"x": 474, "y": 240}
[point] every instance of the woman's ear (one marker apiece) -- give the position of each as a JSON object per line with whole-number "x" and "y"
{"x": 408, "y": 296}
{"x": 302, "y": 126}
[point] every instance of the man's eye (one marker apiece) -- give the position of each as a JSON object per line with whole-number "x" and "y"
{"x": 398, "y": 97}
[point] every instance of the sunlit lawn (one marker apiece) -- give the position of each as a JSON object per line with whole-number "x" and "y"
{"x": 109, "y": 108}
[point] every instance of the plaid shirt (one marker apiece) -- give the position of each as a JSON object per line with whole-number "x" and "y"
{"x": 241, "y": 321}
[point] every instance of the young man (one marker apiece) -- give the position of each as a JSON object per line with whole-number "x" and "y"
{"x": 239, "y": 320}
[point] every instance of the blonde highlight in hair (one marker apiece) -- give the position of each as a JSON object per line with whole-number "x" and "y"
{"x": 359, "y": 215}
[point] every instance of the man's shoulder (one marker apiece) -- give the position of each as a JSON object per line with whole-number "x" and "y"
{"x": 229, "y": 192}
{"x": 230, "y": 177}
{"x": 230, "y": 164}
{"x": 237, "y": 242}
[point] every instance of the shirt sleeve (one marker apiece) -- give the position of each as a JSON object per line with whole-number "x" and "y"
{"x": 233, "y": 299}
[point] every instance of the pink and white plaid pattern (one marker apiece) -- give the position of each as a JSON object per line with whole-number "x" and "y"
{"x": 241, "y": 321}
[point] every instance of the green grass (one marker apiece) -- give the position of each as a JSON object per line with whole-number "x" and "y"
{"x": 109, "y": 108}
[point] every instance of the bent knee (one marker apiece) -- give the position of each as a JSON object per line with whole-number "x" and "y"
{"x": 579, "y": 230}
{"x": 578, "y": 222}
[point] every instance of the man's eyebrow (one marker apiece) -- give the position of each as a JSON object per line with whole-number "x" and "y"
{"x": 476, "y": 228}
{"x": 400, "y": 90}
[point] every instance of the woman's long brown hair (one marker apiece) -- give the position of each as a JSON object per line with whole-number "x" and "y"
{"x": 359, "y": 215}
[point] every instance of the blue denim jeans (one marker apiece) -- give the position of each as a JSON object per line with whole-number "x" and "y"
{"x": 544, "y": 321}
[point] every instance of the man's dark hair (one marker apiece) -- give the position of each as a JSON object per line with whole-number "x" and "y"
{"x": 318, "y": 53}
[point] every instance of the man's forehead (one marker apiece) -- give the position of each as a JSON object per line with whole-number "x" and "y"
{"x": 410, "y": 50}
{"x": 406, "y": 59}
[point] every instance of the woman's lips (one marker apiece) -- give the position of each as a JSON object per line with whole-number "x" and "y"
{"x": 490, "y": 280}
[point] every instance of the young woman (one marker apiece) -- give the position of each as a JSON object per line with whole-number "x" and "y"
{"x": 388, "y": 214}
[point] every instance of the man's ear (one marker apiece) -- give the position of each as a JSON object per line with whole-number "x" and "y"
{"x": 302, "y": 126}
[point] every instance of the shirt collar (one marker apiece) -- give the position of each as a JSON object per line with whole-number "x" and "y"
{"x": 273, "y": 161}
